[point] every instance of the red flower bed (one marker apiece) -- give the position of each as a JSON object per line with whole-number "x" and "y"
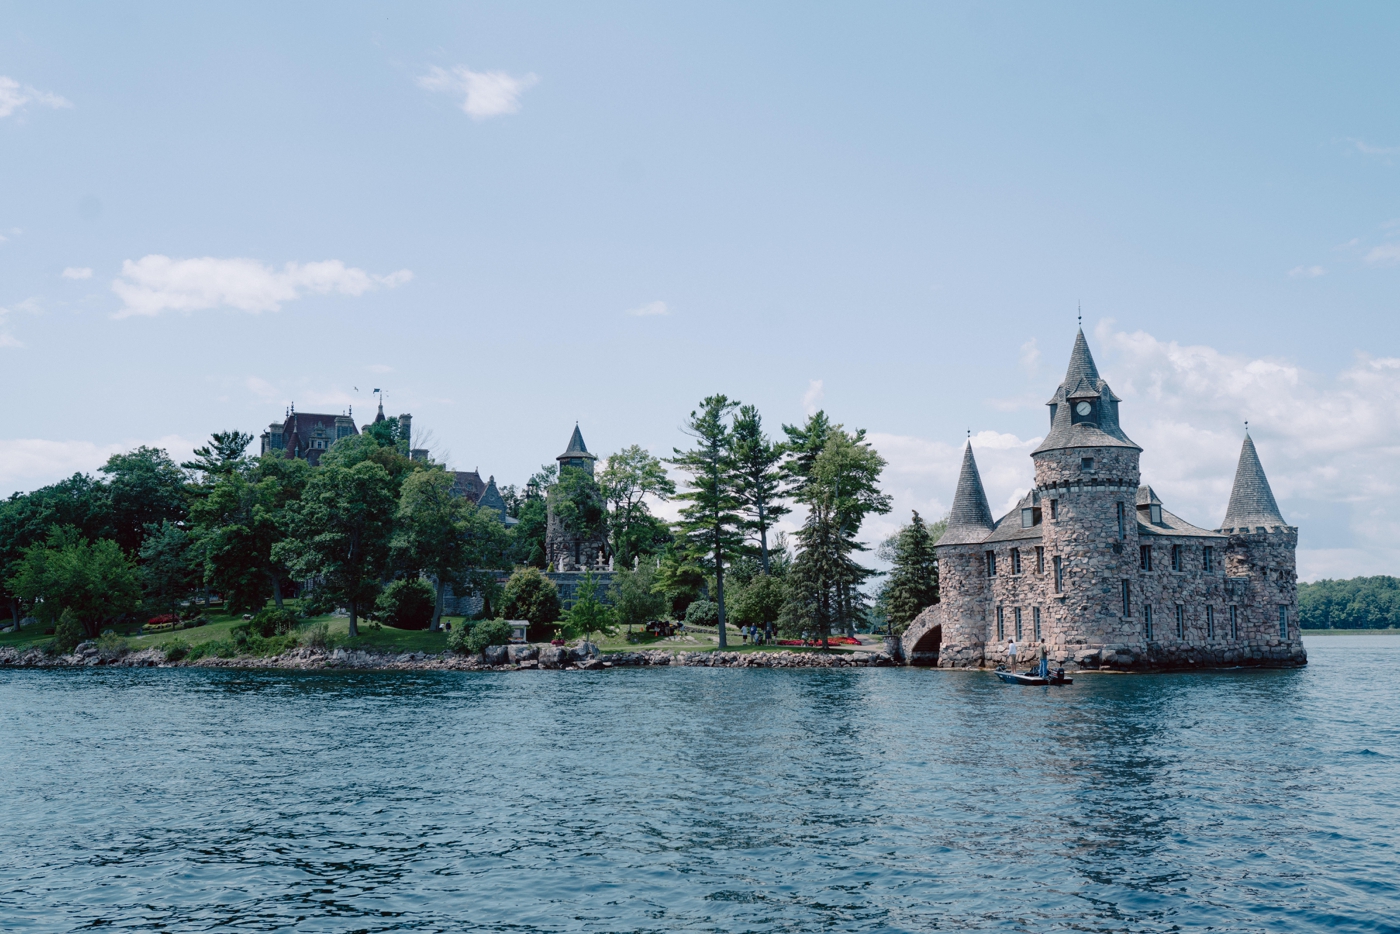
{"x": 833, "y": 640}
{"x": 160, "y": 620}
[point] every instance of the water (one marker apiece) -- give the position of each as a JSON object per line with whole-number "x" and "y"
{"x": 703, "y": 800}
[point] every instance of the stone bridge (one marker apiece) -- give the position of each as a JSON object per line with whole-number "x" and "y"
{"x": 933, "y": 641}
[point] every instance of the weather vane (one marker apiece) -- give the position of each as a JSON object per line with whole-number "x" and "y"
{"x": 1081, "y": 314}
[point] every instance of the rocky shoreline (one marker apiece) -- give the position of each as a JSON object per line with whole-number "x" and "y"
{"x": 496, "y": 658}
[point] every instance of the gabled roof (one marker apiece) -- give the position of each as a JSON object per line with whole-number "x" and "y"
{"x": 1146, "y": 496}
{"x": 1251, "y": 501}
{"x": 970, "y": 518}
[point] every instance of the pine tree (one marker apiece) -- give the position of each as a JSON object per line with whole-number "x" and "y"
{"x": 913, "y": 583}
{"x": 711, "y": 523}
{"x": 756, "y": 460}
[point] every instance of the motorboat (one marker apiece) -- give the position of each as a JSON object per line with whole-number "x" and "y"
{"x": 1057, "y": 676}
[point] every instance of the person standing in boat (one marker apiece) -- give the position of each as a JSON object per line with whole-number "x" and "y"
{"x": 1044, "y": 660}
{"x": 1011, "y": 653}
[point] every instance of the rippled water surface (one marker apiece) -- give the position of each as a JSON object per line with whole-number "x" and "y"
{"x": 703, "y": 800}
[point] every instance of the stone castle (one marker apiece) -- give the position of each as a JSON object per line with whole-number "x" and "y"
{"x": 1093, "y": 565}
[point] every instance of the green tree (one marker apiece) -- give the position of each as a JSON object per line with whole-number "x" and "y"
{"x": 407, "y": 604}
{"x": 711, "y": 523}
{"x": 342, "y": 528}
{"x": 170, "y": 565}
{"x": 578, "y": 505}
{"x": 96, "y": 581}
{"x": 760, "y": 601}
{"x": 913, "y": 581}
{"x": 529, "y": 595}
{"x": 144, "y": 488}
{"x": 223, "y": 454}
{"x": 589, "y": 614}
{"x": 27, "y": 518}
{"x": 679, "y": 578}
{"x": 804, "y": 444}
{"x": 840, "y": 490}
{"x": 431, "y": 532}
{"x": 634, "y": 596}
{"x": 757, "y": 463}
{"x": 627, "y": 479}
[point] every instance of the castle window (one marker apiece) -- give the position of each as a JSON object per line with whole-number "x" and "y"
{"x": 1086, "y": 464}
{"x": 1208, "y": 559}
{"x": 1180, "y": 621}
{"x": 1283, "y": 623}
{"x": 1147, "y": 621}
{"x": 1059, "y": 576}
{"x": 1127, "y": 601}
{"x": 1035, "y": 615}
{"x": 991, "y": 564}
{"x": 1154, "y": 514}
{"x": 1234, "y": 624}
{"x": 1054, "y": 509}
{"x": 1210, "y": 622}
{"x": 1145, "y": 557}
{"x": 1001, "y": 624}
{"x": 1176, "y": 557}
{"x": 1018, "y": 624}
{"x": 1039, "y": 559}
{"x": 1027, "y": 517}
{"x": 1016, "y": 561}
{"x": 1122, "y": 529}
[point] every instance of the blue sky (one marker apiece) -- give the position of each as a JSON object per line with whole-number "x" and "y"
{"x": 890, "y": 211}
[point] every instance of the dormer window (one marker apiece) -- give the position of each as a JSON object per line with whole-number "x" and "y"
{"x": 1154, "y": 514}
{"x": 1030, "y": 517}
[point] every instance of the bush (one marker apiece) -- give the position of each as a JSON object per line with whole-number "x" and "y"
{"x": 316, "y": 636}
{"x": 489, "y": 632}
{"x": 457, "y": 639}
{"x": 529, "y": 595}
{"x": 68, "y": 632}
{"x": 702, "y": 613}
{"x": 174, "y": 649}
{"x": 109, "y": 643}
{"x": 219, "y": 648}
{"x": 273, "y": 622}
{"x": 407, "y": 604}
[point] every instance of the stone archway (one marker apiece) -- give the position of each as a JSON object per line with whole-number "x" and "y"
{"x": 924, "y": 650}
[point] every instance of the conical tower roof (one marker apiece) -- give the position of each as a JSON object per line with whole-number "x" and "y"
{"x": 1083, "y": 385}
{"x": 1251, "y": 501}
{"x": 1081, "y": 362}
{"x": 970, "y": 519}
{"x": 576, "y": 449}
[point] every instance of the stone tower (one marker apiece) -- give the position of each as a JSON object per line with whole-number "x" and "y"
{"x": 963, "y": 578}
{"x": 566, "y": 549}
{"x": 1261, "y": 562}
{"x": 576, "y": 454}
{"x": 1087, "y": 478}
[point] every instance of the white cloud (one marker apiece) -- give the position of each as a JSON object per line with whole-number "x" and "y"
{"x": 379, "y": 368}
{"x": 156, "y": 283}
{"x": 812, "y": 398}
{"x": 1030, "y": 356}
{"x": 15, "y": 97}
{"x": 1306, "y": 272}
{"x": 1329, "y": 445}
{"x": 29, "y": 463}
{"x": 9, "y": 340}
{"x": 77, "y": 272}
{"x": 1387, "y": 254}
{"x": 484, "y": 93}
{"x": 649, "y": 310}
{"x": 1363, "y": 147}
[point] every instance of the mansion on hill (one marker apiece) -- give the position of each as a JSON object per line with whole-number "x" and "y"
{"x": 308, "y": 435}
{"x": 1091, "y": 562}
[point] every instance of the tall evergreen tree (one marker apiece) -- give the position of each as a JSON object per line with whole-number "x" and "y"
{"x": 711, "y": 522}
{"x": 913, "y": 582}
{"x": 628, "y": 477}
{"x": 756, "y": 463}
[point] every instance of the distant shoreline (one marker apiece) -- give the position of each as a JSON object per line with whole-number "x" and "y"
{"x": 1351, "y": 632}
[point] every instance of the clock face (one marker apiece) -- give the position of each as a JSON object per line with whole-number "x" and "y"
{"x": 1084, "y": 408}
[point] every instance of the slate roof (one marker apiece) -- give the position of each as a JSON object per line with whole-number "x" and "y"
{"x": 1146, "y": 496}
{"x": 970, "y": 519}
{"x": 1173, "y": 525}
{"x": 1009, "y": 528}
{"x": 1251, "y": 501}
{"x": 1082, "y": 381}
{"x": 467, "y": 483}
{"x": 576, "y": 447}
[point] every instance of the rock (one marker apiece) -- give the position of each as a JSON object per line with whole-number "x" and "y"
{"x": 553, "y": 656}
{"x": 497, "y": 654}
{"x": 86, "y": 648}
{"x": 529, "y": 664}
{"x": 585, "y": 650}
{"x": 521, "y": 653}
{"x": 591, "y": 664}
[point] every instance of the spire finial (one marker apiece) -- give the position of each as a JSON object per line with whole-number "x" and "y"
{"x": 1081, "y": 315}
{"x": 969, "y": 434}
{"x": 1246, "y": 426}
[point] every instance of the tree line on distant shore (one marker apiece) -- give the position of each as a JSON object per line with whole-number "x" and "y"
{"x": 380, "y": 534}
{"x": 1359, "y": 603}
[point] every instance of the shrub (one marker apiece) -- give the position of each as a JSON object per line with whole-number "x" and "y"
{"x": 273, "y": 622}
{"x": 174, "y": 649}
{"x": 68, "y": 632}
{"x": 702, "y": 613}
{"x": 531, "y": 596}
{"x": 458, "y": 638}
{"x": 407, "y": 604}
{"x": 316, "y": 635}
{"x": 488, "y": 632}
{"x": 220, "y": 648}
{"x": 109, "y": 643}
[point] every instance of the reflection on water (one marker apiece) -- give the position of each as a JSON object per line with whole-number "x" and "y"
{"x": 700, "y": 799}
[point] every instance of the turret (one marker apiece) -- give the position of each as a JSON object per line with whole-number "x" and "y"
{"x": 963, "y": 582}
{"x": 576, "y": 454}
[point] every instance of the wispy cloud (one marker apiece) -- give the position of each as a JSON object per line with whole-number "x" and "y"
{"x": 812, "y": 398}
{"x": 1387, "y": 254}
{"x": 1306, "y": 272}
{"x": 484, "y": 93}
{"x": 651, "y": 309}
{"x": 15, "y": 97}
{"x": 77, "y": 272}
{"x": 26, "y": 463}
{"x": 1367, "y": 149}
{"x": 155, "y": 283}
